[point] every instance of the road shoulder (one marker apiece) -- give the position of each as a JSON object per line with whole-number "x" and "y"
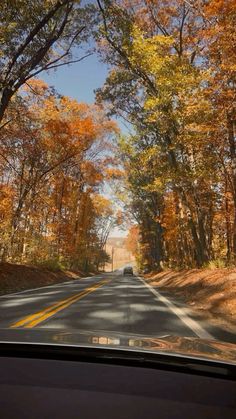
{"x": 218, "y": 326}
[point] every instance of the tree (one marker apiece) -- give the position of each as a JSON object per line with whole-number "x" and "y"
{"x": 132, "y": 240}
{"x": 54, "y": 156}
{"x": 220, "y": 19}
{"x": 161, "y": 81}
{"x": 38, "y": 36}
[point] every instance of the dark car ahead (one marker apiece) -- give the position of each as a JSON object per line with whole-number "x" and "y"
{"x": 128, "y": 270}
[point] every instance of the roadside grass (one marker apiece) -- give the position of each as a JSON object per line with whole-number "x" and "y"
{"x": 210, "y": 291}
{"x": 53, "y": 265}
{"x": 14, "y": 277}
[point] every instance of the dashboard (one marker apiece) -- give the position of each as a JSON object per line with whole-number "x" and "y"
{"x": 57, "y": 382}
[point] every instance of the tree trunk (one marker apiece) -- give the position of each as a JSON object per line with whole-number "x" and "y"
{"x": 232, "y": 145}
{"x": 6, "y": 95}
{"x": 199, "y": 252}
{"x": 227, "y": 220}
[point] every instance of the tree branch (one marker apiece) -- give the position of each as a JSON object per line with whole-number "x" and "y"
{"x": 138, "y": 72}
{"x": 35, "y": 31}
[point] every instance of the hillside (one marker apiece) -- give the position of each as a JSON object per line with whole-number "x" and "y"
{"x": 15, "y": 277}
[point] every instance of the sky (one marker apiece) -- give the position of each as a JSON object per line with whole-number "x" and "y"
{"x": 79, "y": 81}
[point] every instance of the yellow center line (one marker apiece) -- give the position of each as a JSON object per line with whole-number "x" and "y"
{"x": 34, "y": 319}
{"x": 40, "y": 313}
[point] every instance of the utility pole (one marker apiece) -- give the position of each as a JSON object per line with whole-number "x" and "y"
{"x": 112, "y": 257}
{"x": 104, "y": 264}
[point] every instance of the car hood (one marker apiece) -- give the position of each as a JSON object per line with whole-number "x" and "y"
{"x": 169, "y": 345}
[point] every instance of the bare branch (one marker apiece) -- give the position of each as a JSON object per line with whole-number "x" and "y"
{"x": 5, "y": 123}
{"x": 35, "y": 31}
{"x": 49, "y": 66}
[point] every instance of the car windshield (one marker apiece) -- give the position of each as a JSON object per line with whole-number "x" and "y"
{"x": 118, "y": 174}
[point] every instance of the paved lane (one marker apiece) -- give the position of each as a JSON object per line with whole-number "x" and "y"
{"x": 17, "y": 306}
{"x": 124, "y": 304}
{"x": 107, "y": 302}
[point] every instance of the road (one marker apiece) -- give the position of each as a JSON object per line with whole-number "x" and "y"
{"x": 106, "y": 302}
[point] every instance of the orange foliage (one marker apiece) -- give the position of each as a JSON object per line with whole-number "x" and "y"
{"x": 54, "y": 160}
{"x": 132, "y": 240}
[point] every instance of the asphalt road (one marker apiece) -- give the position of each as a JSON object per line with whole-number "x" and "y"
{"x": 107, "y": 302}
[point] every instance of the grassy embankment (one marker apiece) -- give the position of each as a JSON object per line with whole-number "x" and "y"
{"x": 210, "y": 293}
{"x": 21, "y": 277}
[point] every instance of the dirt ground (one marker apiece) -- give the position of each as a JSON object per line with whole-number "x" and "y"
{"x": 20, "y": 277}
{"x": 208, "y": 292}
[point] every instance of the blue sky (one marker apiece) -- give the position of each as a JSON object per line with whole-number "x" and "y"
{"x": 79, "y": 81}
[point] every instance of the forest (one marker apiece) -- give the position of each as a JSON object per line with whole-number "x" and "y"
{"x": 171, "y": 78}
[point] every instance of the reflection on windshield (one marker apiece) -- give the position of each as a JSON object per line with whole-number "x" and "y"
{"x": 214, "y": 350}
{"x": 102, "y": 340}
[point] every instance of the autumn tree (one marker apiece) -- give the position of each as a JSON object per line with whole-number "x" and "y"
{"x": 38, "y": 36}
{"x": 132, "y": 241}
{"x": 160, "y": 81}
{"x": 220, "y": 21}
{"x": 53, "y": 156}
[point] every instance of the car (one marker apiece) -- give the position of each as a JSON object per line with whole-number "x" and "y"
{"x": 128, "y": 270}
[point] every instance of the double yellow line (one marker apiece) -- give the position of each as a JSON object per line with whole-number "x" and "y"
{"x": 34, "y": 319}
